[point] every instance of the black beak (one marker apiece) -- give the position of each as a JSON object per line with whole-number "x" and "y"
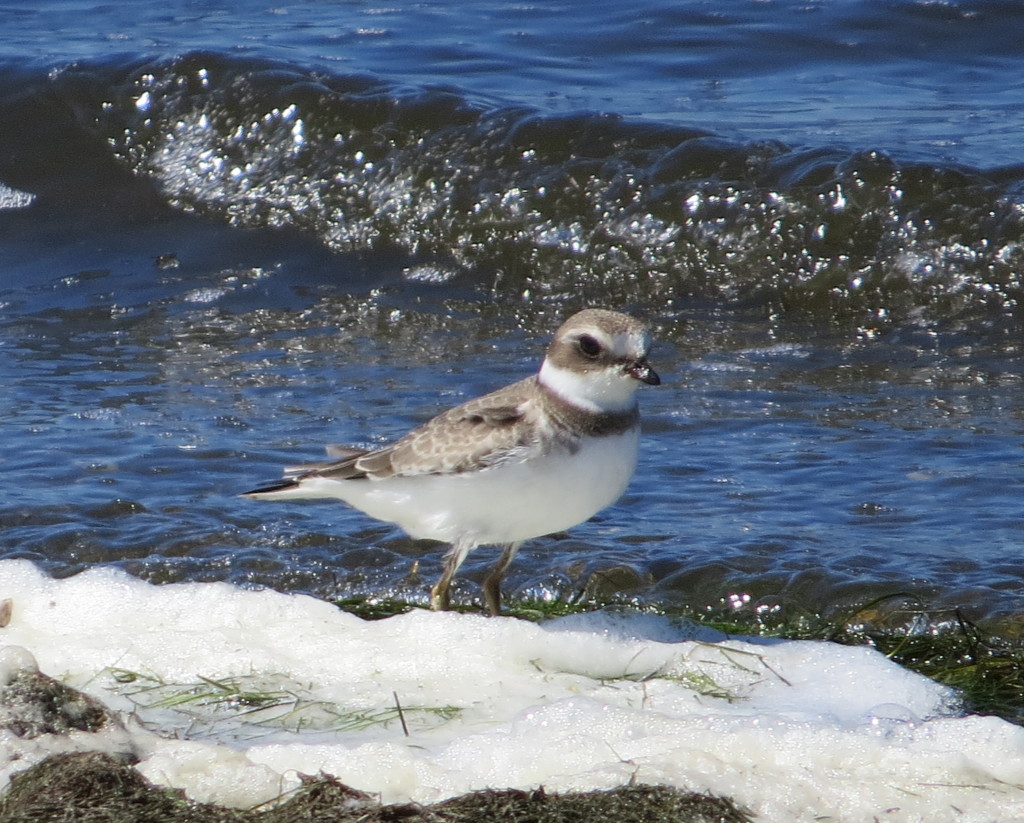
{"x": 643, "y": 372}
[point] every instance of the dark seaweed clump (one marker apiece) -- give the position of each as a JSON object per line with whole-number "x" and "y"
{"x": 33, "y": 704}
{"x": 96, "y": 788}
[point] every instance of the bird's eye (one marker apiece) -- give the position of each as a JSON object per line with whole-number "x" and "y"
{"x": 589, "y": 346}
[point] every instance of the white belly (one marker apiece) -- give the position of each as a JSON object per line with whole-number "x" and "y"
{"x": 504, "y": 504}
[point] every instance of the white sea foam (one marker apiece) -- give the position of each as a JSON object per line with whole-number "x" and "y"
{"x": 15, "y": 199}
{"x": 793, "y": 731}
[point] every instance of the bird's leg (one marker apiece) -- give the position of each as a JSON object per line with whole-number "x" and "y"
{"x": 492, "y": 583}
{"x": 440, "y": 598}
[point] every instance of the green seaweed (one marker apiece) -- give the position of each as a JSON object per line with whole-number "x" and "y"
{"x": 262, "y": 702}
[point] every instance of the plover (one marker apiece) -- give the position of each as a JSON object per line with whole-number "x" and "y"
{"x": 535, "y": 457}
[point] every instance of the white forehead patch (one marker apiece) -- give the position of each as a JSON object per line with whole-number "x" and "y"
{"x": 625, "y": 346}
{"x": 629, "y": 345}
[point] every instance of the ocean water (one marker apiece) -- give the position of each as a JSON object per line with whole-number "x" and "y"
{"x": 230, "y": 235}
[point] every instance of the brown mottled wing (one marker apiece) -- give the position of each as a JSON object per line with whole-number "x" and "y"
{"x": 475, "y": 435}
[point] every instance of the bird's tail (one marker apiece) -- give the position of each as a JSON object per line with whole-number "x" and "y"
{"x": 287, "y": 487}
{"x": 312, "y": 480}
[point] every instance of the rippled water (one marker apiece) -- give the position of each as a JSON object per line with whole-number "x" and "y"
{"x": 219, "y": 260}
{"x": 935, "y": 79}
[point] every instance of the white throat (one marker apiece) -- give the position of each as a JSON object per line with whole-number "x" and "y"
{"x": 599, "y": 391}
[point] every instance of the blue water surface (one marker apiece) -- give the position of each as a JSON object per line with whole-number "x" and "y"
{"x": 938, "y": 80}
{"x": 160, "y": 353}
